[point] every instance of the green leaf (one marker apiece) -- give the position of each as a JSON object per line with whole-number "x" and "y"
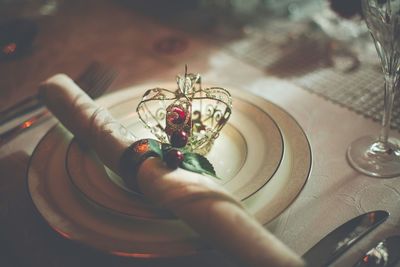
{"x": 155, "y": 146}
{"x": 197, "y": 163}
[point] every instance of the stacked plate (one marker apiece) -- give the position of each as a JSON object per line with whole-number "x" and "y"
{"x": 262, "y": 156}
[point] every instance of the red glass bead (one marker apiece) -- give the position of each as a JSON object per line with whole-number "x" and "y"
{"x": 179, "y": 138}
{"x": 176, "y": 115}
{"x": 173, "y": 158}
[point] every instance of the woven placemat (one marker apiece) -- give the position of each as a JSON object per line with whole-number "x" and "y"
{"x": 338, "y": 71}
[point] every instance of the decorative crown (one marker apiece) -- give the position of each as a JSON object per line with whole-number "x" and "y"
{"x": 189, "y": 116}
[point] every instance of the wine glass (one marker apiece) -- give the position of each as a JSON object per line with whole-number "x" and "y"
{"x": 380, "y": 157}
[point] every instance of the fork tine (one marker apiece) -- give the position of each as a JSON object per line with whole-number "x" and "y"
{"x": 96, "y": 79}
{"x": 103, "y": 83}
{"x": 87, "y": 74}
{"x": 92, "y": 72}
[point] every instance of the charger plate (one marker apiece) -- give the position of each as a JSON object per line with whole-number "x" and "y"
{"x": 263, "y": 157}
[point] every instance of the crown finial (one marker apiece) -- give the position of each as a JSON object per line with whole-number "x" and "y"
{"x": 193, "y": 112}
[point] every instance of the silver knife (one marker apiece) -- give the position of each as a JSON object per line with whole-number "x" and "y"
{"x": 339, "y": 240}
{"x": 385, "y": 253}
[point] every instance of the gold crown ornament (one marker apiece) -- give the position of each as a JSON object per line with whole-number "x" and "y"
{"x": 189, "y": 117}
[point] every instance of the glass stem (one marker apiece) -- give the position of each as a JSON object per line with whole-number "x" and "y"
{"x": 388, "y": 107}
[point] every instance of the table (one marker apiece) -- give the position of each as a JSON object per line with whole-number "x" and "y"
{"x": 119, "y": 34}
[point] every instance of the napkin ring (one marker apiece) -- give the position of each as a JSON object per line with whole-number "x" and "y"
{"x": 134, "y": 156}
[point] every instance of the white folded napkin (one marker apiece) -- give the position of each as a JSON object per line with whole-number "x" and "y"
{"x": 201, "y": 203}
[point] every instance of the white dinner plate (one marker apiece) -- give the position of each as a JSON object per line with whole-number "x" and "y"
{"x": 263, "y": 158}
{"x": 249, "y": 129}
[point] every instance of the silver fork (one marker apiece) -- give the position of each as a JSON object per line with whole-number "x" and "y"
{"x": 95, "y": 80}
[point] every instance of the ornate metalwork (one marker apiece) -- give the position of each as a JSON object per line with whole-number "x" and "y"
{"x": 201, "y": 112}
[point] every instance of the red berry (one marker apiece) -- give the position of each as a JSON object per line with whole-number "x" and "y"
{"x": 173, "y": 158}
{"x": 176, "y": 115}
{"x": 179, "y": 138}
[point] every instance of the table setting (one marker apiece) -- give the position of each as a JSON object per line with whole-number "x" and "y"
{"x": 132, "y": 138}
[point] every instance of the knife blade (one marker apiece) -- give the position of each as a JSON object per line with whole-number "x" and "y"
{"x": 385, "y": 253}
{"x": 329, "y": 248}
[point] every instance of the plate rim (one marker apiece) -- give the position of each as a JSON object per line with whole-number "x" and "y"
{"x": 73, "y": 142}
{"x": 237, "y": 92}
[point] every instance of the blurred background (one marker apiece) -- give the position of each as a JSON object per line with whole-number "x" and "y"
{"x": 322, "y": 46}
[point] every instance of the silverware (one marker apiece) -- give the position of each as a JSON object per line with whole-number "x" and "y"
{"x": 339, "y": 240}
{"x": 385, "y": 253}
{"x": 95, "y": 80}
{"x": 95, "y": 71}
{"x": 22, "y": 107}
